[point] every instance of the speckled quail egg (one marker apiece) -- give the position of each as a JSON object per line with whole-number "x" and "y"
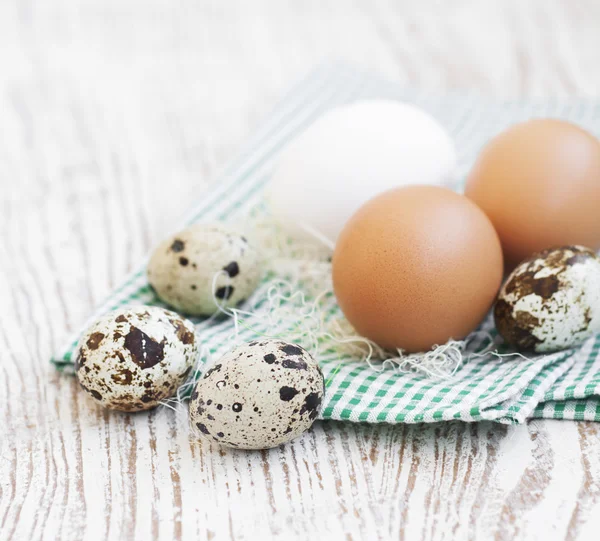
{"x": 551, "y": 301}
{"x": 259, "y": 395}
{"x": 202, "y": 265}
{"x": 133, "y": 358}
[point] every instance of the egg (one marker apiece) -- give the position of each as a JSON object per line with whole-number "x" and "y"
{"x": 539, "y": 183}
{"x": 417, "y": 266}
{"x": 258, "y": 395}
{"x": 132, "y": 358}
{"x": 202, "y": 263}
{"x": 551, "y": 301}
{"x": 349, "y": 155}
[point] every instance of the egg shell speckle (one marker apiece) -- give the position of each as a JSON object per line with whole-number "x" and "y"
{"x": 131, "y": 359}
{"x": 551, "y": 301}
{"x": 182, "y": 269}
{"x": 259, "y": 395}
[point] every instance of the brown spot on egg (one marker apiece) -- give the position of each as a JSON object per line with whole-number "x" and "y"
{"x": 186, "y": 372}
{"x": 232, "y": 269}
{"x": 224, "y": 292}
{"x": 269, "y": 358}
{"x": 526, "y": 283}
{"x": 185, "y": 336}
{"x": 287, "y": 393}
{"x": 94, "y": 340}
{"x": 184, "y": 261}
{"x": 121, "y": 319}
{"x": 291, "y": 349}
{"x": 216, "y": 368}
{"x": 122, "y": 404}
{"x": 177, "y": 246}
{"x": 295, "y": 365}
{"x": 80, "y": 360}
{"x": 559, "y": 259}
{"x": 311, "y": 405}
{"x": 516, "y": 327}
{"x": 93, "y": 392}
{"x": 145, "y": 351}
{"x": 202, "y": 428}
{"x": 122, "y": 377}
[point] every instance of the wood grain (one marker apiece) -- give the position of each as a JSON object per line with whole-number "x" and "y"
{"x": 113, "y": 116}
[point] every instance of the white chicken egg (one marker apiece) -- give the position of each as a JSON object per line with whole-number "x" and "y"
{"x": 551, "y": 301}
{"x": 258, "y": 395}
{"x": 348, "y": 156}
{"x": 132, "y": 358}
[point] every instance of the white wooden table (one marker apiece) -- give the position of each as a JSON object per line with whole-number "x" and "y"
{"x": 113, "y": 115}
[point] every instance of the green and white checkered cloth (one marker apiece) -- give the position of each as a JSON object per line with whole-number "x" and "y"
{"x": 565, "y": 385}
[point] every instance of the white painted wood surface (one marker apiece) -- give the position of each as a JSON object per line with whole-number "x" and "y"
{"x": 113, "y": 114}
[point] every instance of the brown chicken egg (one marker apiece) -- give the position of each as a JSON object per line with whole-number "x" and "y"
{"x": 539, "y": 184}
{"x": 417, "y": 266}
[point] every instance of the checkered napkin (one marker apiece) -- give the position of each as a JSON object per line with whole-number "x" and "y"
{"x": 563, "y": 385}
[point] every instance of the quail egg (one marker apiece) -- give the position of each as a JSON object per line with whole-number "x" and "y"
{"x": 259, "y": 395}
{"x": 551, "y": 301}
{"x": 133, "y": 358}
{"x": 202, "y": 265}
